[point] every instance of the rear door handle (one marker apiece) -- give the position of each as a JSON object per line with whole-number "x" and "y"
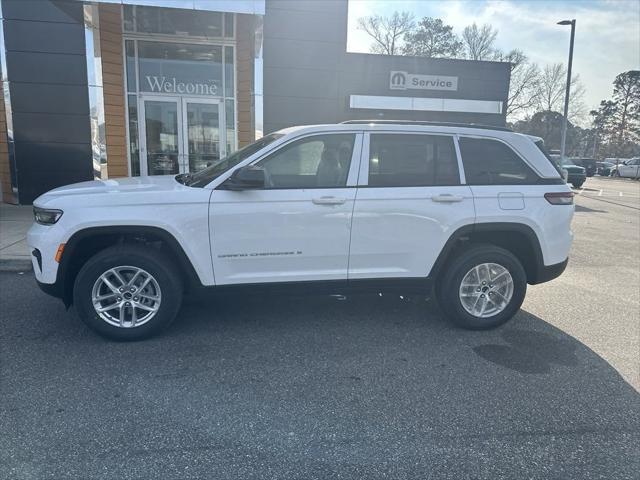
{"x": 329, "y": 201}
{"x": 447, "y": 198}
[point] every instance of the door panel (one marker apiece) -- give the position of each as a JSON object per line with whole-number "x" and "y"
{"x": 399, "y": 231}
{"x": 280, "y": 235}
{"x": 285, "y": 233}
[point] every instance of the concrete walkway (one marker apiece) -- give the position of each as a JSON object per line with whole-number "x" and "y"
{"x": 15, "y": 220}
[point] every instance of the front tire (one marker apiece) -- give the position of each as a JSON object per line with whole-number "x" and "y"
{"x": 128, "y": 292}
{"x": 577, "y": 184}
{"x": 483, "y": 288}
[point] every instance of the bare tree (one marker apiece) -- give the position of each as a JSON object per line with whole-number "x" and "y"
{"x": 524, "y": 83}
{"x": 387, "y": 32}
{"x": 478, "y": 42}
{"x": 550, "y": 96}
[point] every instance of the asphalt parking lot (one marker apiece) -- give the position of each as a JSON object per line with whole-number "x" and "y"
{"x": 319, "y": 387}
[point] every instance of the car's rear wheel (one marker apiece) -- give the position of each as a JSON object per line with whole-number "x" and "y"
{"x": 577, "y": 184}
{"x": 127, "y": 292}
{"x": 483, "y": 287}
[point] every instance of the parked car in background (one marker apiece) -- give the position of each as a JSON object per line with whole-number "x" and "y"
{"x": 589, "y": 165}
{"x": 572, "y": 173}
{"x": 618, "y": 162}
{"x": 604, "y": 168}
{"x": 630, "y": 169}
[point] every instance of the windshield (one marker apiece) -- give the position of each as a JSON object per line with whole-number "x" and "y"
{"x": 204, "y": 177}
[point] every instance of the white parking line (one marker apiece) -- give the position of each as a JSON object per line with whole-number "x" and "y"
{"x": 600, "y": 192}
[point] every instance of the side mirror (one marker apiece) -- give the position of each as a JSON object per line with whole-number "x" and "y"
{"x": 246, "y": 178}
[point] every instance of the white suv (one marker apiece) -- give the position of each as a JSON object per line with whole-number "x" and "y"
{"x": 476, "y": 212}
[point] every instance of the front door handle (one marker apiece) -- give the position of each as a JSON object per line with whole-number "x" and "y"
{"x": 447, "y": 198}
{"x": 329, "y": 201}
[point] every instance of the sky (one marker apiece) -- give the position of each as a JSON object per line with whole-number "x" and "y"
{"x": 607, "y": 39}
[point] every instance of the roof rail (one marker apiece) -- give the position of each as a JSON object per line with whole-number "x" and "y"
{"x": 427, "y": 123}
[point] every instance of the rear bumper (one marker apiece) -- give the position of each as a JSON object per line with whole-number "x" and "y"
{"x": 547, "y": 273}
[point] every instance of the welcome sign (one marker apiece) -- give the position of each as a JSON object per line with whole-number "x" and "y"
{"x": 163, "y": 84}
{"x": 408, "y": 81}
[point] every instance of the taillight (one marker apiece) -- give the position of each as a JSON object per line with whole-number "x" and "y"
{"x": 559, "y": 198}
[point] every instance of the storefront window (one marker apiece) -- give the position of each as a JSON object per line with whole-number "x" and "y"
{"x": 177, "y": 21}
{"x": 181, "y": 102}
{"x": 182, "y": 69}
{"x": 134, "y": 149}
{"x": 129, "y": 47}
{"x": 231, "y": 125}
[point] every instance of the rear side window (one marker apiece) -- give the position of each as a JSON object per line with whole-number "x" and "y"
{"x": 400, "y": 160}
{"x": 490, "y": 162}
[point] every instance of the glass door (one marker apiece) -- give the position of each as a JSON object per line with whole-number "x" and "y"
{"x": 202, "y": 121}
{"x": 160, "y": 135}
{"x": 180, "y": 135}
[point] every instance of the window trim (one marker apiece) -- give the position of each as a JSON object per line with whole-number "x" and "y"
{"x": 354, "y": 166}
{"x": 514, "y": 149}
{"x": 540, "y": 179}
{"x": 363, "y": 177}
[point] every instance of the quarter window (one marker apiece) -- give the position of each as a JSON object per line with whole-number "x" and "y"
{"x": 320, "y": 161}
{"x": 490, "y": 162}
{"x": 401, "y": 160}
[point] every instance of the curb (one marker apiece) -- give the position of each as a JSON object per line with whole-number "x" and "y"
{"x": 15, "y": 265}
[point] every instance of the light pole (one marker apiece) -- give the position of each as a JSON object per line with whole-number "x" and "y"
{"x": 566, "y": 95}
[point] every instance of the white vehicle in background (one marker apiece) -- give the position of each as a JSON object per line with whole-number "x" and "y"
{"x": 473, "y": 213}
{"x": 629, "y": 169}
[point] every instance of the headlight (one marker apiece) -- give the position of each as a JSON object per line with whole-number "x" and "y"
{"x": 46, "y": 216}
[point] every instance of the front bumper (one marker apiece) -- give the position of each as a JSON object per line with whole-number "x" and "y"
{"x": 576, "y": 177}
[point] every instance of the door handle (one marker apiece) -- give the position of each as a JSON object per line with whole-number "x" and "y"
{"x": 447, "y": 198}
{"x": 329, "y": 201}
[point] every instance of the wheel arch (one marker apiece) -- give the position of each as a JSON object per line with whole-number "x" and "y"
{"x": 87, "y": 242}
{"x": 518, "y": 238}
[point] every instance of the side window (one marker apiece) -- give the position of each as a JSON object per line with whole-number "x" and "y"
{"x": 490, "y": 162}
{"x": 403, "y": 160}
{"x": 319, "y": 161}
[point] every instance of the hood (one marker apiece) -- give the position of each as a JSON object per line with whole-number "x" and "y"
{"x": 151, "y": 184}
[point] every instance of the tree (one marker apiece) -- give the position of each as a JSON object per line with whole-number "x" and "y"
{"x": 387, "y": 32}
{"x": 478, "y": 42}
{"x": 551, "y": 90}
{"x": 548, "y": 125}
{"x": 626, "y": 94}
{"x": 617, "y": 121}
{"x": 524, "y": 84}
{"x": 432, "y": 39}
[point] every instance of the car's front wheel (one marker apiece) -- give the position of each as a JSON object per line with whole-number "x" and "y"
{"x": 483, "y": 287}
{"x": 127, "y": 293}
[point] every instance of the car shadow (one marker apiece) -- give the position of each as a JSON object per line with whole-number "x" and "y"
{"x": 581, "y": 208}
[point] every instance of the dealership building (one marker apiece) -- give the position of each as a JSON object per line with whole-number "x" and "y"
{"x": 113, "y": 88}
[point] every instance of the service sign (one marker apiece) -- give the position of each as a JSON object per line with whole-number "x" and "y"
{"x": 409, "y": 81}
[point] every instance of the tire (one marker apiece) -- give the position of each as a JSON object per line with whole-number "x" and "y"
{"x": 159, "y": 298}
{"x": 577, "y": 184}
{"x": 449, "y": 293}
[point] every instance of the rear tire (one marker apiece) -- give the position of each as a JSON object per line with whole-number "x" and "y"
{"x": 128, "y": 292}
{"x": 469, "y": 303}
{"x": 577, "y": 184}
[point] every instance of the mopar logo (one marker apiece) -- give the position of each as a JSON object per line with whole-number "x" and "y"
{"x": 398, "y": 81}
